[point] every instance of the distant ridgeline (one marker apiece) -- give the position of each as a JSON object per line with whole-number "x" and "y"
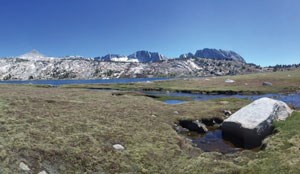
{"x": 206, "y": 62}
{"x": 146, "y": 56}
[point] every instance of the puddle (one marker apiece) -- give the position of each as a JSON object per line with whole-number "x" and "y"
{"x": 211, "y": 141}
{"x": 174, "y": 102}
{"x": 207, "y": 135}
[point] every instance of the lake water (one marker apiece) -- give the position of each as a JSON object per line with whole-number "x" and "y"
{"x": 291, "y": 99}
{"x": 174, "y": 102}
{"x": 92, "y": 81}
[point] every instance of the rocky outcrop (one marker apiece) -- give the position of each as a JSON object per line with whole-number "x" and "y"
{"x": 251, "y": 124}
{"x": 193, "y": 125}
{"x": 139, "y": 56}
{"x": 186, "y": 56}
{"x": 217, "y": 54}
{"x": 146, "y": 56}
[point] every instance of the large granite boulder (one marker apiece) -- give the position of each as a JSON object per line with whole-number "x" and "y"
{"x": 251, "y": 124}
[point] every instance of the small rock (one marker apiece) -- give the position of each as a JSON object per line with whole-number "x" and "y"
{"x": 227, "y": 112}
{"x": 229, "y": 81}
{"x": 193, "y": 125}
{"x": 180, "y": 129}
{"x": 267, "y": 84}
{"x": 24, "y": 166}
{"x": 153, "y": 116}
{"x": 207, "y": 79}
{"x": 224, "y": 102}
{"x": 246, "y": 84}
{"x": 176, "y": 112}
{"x": 289, "y": 75}
{"x": 43, "y": 172}
{"x": 118, "y": 147}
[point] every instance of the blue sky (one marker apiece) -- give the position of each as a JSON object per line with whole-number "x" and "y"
{"x": 265, "y": 32}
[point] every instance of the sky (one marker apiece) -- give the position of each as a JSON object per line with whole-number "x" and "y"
{"x": 265, "y": 32}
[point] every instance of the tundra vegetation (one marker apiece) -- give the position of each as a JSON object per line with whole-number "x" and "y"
{"x": 73, "y": 129}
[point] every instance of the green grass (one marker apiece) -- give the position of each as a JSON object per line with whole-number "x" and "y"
{"x": 72, "y": 131}
{"x": 283, "y": 82}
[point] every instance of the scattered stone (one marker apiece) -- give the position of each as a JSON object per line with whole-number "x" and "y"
{"x": 246, "y": 84}
{"x": 229, "y": 81}
{"x": 118, "y": 147}
{"x": 153, "y": 116}
{"x": 289, "y": 75}
{"x": 224, "y": 102}
{"x": 207, "y": 79}
{"x": 43, "y": 172}
{"x": 227, "y": 112}
{"x": 193, "y": 125}
{"x": 176, "y": 112}
{"x": 251, "y": 124}
{"x": 180, "y": 129}
{"x": 24, "y": 166}
{"x": 267, "y": 84}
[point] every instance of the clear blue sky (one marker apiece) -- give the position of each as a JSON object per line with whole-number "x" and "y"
{"x": 265, "y": 32}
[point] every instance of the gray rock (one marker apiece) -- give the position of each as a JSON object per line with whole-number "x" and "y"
{"x": 227, "y": 112}
{"x": 109, "y": 57}
{"x": 185, "y": 56}
{"x": 219, "y": 54}
{"x": 251, "y": 124}
{"x": 118, "y": 147}
{"x": 24, "y": 166}
{"x": 180, "y": 129}
{"x": 267, "y": 84}
{"x": 229, "y": 81}
{"x": 146, "y": 56}
{"x": 193, "y": 125}
{"x": 43, "y": 172}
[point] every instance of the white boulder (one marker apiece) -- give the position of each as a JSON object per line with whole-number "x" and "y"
{"x": 24, "y": 166}
{"x": 229, "y": 81}
{"x": 118, "y": 147}
{"x": 251, "y": 124}
{"x": 43, "y": 172}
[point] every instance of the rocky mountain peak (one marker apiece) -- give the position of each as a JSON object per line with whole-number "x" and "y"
{"x": 146, "y": 56}
{"x": 219, "y": 54}
{"x": 32, "y": 55}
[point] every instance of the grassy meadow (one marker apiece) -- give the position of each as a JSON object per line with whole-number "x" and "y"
{"x": 282, "y": 82}
{"x": 72, "y": 130}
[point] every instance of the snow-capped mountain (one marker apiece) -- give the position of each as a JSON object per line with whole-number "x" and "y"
{"x": 139, "y": 56}
{"x": 33, "y": 55}
{"x": 116, "y": 58}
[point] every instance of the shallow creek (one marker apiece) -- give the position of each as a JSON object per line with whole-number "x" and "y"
{"x": 291, "y": 99}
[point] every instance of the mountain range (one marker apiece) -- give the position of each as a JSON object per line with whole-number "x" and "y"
{"x": 207, "y": 62}
{"x": 149, "y": 57}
